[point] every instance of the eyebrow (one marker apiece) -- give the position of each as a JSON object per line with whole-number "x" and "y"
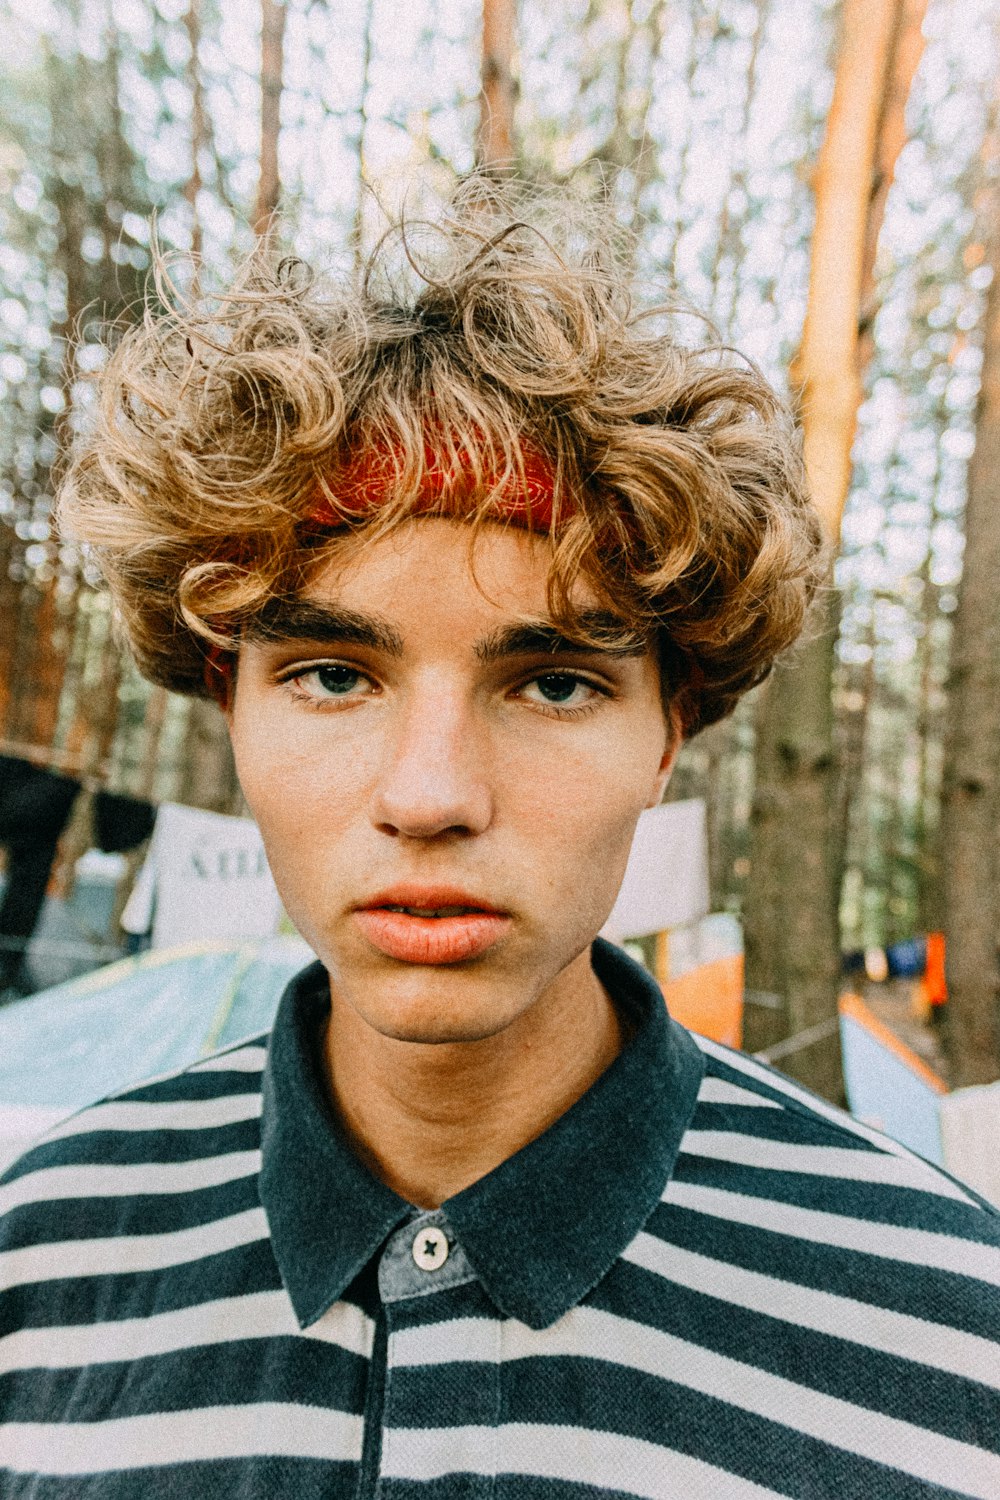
{"x": 304, "y": 620}
{"x": 537, "y": 638}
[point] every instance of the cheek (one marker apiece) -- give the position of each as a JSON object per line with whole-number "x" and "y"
{"x": 290, "y": 789}
{"x": 583, "y": 805}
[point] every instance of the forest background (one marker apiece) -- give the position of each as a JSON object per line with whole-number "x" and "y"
{"x": 821, "y": 178}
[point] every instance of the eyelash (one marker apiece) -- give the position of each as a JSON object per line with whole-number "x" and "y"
{"x": 555, "y": 710}
{"x": 292, "y": 678}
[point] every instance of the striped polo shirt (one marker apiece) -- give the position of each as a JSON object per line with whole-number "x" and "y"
{"x": 701, "y": 1283}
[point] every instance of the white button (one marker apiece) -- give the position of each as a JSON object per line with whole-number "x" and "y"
{"x": 430, "y": 1248}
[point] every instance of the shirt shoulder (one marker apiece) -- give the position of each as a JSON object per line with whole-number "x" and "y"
{"x": 840, "y": 1294}
{"x": 762, "y": 1138}
{"x": 170, "y": 1153}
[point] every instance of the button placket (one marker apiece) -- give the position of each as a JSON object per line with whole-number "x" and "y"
{"x": 422, "y": 1257}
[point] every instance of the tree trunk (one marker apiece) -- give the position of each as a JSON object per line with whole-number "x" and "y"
{"x": 729, "y": 237}
{"x": 152, "y": 731}
{"x": 94, "y": 655}
{"x": 495, "y": 144}
{"x": 272, "y": 40}
{"x": 696, "y": 15}
{"x": 199, "y": 126}
{"x": 928, "y": 729}
{"x": 792, "y": 937}
{"x": 851, "y": 741}
{"x": 906, "y": 47}
{"x": 357, "y": 226}
{"x": 46, "y": 672}
{"x": 208, "y": 776}
{"x": 793, "y": 941}
{"x": 9, "y": 593}
{"x": 971, "y": 801}
{"x": 826, "y": 372}
{"x": 41, "y": 658}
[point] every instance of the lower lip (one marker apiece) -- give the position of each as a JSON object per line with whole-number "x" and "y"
{"x": 431, "y": 940}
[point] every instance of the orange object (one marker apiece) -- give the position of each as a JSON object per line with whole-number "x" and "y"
{"x": 934, "y": 983}
{"x": 709, "y": 999}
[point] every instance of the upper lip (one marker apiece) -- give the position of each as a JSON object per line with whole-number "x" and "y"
{"x": 427, "y": 898}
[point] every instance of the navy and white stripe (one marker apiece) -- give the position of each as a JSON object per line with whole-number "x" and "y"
{"x": 701, "y": 1284}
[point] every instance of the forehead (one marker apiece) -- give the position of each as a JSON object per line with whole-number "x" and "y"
{"x": 491, "y": 567}
{"x": 442, "y": 581}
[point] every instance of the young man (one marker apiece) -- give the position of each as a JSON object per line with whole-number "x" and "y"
{"x": 463, "y": 565}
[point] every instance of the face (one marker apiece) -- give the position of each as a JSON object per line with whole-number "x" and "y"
{"x": 446, "y": 786}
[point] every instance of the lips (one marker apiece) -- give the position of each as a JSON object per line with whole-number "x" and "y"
{"x": 430, "y": 924}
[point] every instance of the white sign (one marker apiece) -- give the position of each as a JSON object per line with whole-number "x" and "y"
{"x": 206, "y": 876}
{"x": 970, "y": 1129}
{"x": 666, "y": 880}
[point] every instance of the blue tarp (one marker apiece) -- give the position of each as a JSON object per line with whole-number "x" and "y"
{"x": 69, "y": 1045}
{"x": 907, "y": 960}
{"x": 887, "y": 1085}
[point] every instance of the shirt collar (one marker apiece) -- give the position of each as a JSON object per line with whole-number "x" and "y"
{"x": 541, "y": 1229}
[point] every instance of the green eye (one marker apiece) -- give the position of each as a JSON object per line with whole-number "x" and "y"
{"x": 336, "y": 679}
{"x": 557, "y": 687}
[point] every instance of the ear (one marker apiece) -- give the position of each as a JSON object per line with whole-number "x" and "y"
{"x": 675, "y": 739}
{"x": 220, "y": 679}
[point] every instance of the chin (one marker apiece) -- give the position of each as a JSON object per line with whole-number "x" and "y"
{"x": 445, "y": 1032}
{"x": 437, "y": 1006}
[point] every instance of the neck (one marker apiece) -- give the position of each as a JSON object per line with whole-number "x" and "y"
{"x": 429, "y": 1120}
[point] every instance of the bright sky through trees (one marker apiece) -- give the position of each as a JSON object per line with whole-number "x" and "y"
{"x": 704, "y": 118}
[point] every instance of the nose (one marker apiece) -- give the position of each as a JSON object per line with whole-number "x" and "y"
{"x": 433, "y": 779}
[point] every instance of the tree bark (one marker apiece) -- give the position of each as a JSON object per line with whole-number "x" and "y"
{"x": 826, "y": 372}
{"x": 495, "y": 144}
{"x": 929, "y": 736}
{"x": 87, "y": 735}
{"x": 8, "y": 624}
{"x": 45, "y": 671}
{"x": 906, "y": 48}
{"x": 43, "y": 661}
{"x": 971, "y": 801}
{"x": 793, "y": 939}
{"x": 696, "y": 13}
{"x": 273, "y": 15}
{"x": 199, "y": 125}
{"x": 208, "y": 777}
{"x": 357, "y": 226}
{"x": 792, "y": 930}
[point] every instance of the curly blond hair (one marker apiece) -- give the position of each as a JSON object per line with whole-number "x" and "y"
{"x": 505, "y": 331}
